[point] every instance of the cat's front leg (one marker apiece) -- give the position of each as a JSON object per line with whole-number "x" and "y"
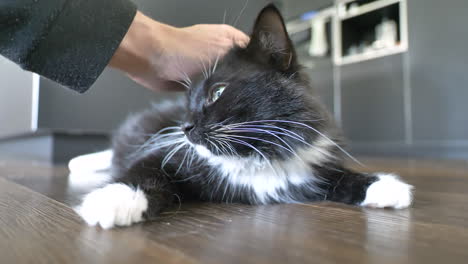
{"x": 377, "y": 190}
{"x": 132, "y": 199}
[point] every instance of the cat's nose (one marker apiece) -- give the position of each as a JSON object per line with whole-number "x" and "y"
{"x": 187, "y": 127}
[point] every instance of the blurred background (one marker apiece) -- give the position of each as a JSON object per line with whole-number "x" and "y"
{"x": 392, "y": 72}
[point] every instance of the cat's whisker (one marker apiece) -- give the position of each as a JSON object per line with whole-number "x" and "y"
{"x": 241, "y": 142}
{"x": 213, "y": 70}
{"x": 269, "y": 132}
{"x": 292, "y": 75}
{"x": 265, "y": 131}
{"x": 168, "y": 128}
{"x": 328, "y": 139}
{"x": 275, "y": 134}
{"x": 274, "y": 120}
{"x": 289, "y": 132}
{"x": 240, "y": 14}
{"x": 221, "y": 149}
{"x": 194, "y": 155}
{"x": 164, "y": 130}
{"x": 185, "y": 79}
{"x": 191, "y": 156}
{"x": 209, "y": 69}
{"x": 309, "y": 145}
{"x": 161, "y": 135}
{"x": 149, "y": 148}
{"x": 229, "y": 138}
{"x": 222, "y": 145}
{"x": 188, "y": 178}
{"x": 309, "y": 127}
{"x": 172, "y": 153}
{"x": 260, "y": 128}
{"x": 162, "y": 139}
{"x": 161, "y": 145}
{"x": 183, "y": 84}
{"x": 230, "y": 147}
{"x": 294, "y": 136}
{"x": 182, "y": 162}
{"x": 185, "y": 76}
{"x": 204, "y": 70}
{"x": 262, "y": 155}
{"x": 167, "y": 132}
{"x": 220, "y": 124}
{"x": 155, "y": 141}
{"x": 263, "y": 140}
{"x": 213, "y": 144}
{"x": 226, "y": 186}
{"x": 241, "y": 128}
{"x": 224, "y": 17}
{"x": 229, "y": 150}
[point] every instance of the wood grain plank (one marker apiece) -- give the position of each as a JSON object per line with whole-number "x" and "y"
{"x": 310, "y": 233}
{"x": 36, "y": 229}
{"x": 434, "y": 230}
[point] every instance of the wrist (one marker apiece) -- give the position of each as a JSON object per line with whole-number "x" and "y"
{"x": 142, "y": 43}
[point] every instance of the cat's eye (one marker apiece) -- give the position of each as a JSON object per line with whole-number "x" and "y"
{"x": 216, "y": 92}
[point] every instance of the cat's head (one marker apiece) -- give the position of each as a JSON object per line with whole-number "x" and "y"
{"x": 255, "y": 100}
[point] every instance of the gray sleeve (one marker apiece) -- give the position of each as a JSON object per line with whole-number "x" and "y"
{"x": 67, "y": 41}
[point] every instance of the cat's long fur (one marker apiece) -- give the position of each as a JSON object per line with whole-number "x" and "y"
{"x": 264, "y": 140}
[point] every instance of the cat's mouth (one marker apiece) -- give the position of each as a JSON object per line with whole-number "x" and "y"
{"x": 194, "y": 138}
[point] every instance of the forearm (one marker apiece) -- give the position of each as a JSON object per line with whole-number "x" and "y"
{"x": 137, "y": 47}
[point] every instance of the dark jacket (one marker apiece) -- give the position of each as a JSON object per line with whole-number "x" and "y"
{"x": 67, "y": 41}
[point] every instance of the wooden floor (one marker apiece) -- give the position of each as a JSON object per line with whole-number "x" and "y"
{"x": 37, "y": 225}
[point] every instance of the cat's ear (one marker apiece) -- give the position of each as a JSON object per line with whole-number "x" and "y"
{"x": 270, "y": 42}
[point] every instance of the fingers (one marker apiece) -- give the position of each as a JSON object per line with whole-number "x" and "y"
{"x": 203, "y": 43}
{"x": 238, "y": 37}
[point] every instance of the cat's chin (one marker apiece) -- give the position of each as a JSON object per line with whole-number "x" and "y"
{"x": 203, "y": 151}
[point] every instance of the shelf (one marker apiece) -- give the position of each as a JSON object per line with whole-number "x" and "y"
{"x": 369, "y": 8}
{"x": 373, "y": 29}
{"x": 372, "y": 54}
{"x": 357, "y": 33}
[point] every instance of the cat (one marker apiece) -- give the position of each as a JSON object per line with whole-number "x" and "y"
{"x": 249, "y": 131}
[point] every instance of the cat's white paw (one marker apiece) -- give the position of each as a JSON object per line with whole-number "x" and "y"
{"x": 113, "y": 205}
{"x": 388, "y": 191}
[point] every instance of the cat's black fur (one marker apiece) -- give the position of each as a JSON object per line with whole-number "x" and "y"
{"x": 265, "y": 82}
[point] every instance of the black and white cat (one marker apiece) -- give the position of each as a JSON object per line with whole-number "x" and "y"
{"x": 249, "y": 132}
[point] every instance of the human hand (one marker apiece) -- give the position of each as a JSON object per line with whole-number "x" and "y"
{"x": 158, "y": 56}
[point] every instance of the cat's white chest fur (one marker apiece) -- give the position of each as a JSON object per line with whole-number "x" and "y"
{"x": 268, "y": 180}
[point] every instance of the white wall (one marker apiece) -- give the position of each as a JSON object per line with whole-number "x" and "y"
{"x": 16, "y": 99}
